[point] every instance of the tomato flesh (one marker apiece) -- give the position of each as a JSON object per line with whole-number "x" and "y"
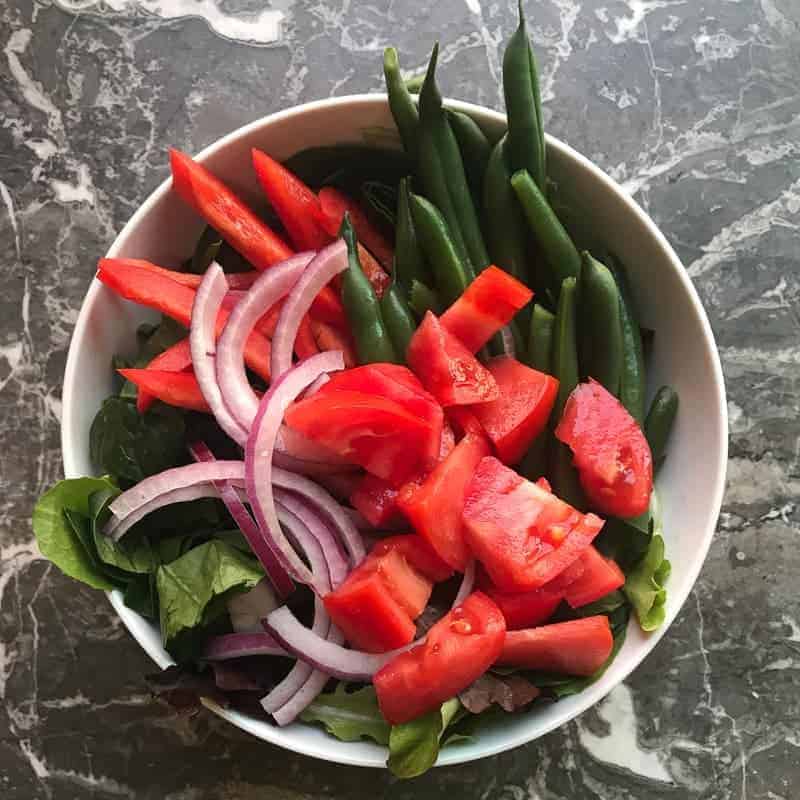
{"x": 521, "y": 609}
{"x": 488, "y": 304}
{"x": 599, "y": 577}
{"x": 446, "y": 368}
{"x": 577, "y": 647}
{"x": 522, "y": 534}
{"x": 519, "y": 414}
{"x": 612, "y": 456}
{"x": 376, "y": 500}
{"x": 434, "y": 507}
{"x": 418, "y": 553}
{"x": 457, "y": 650}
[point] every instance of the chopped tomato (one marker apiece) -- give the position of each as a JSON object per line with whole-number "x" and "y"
{"x": 612, "y": 456}
{"x": 446, "y": 368}
{"x": 294, "y": 202}
{"x": 376, "y": 500}
{"x": 522, "y": 609}
{"x": 520, "y": 413}
{"x": 577, "y": 647}
{"x": 599, "y": 577}
{"x": 395, "y": 384}
{"x": 543, "y": 483}
{"x": 488, "y": 304}
{"x": 523, "y": 535}
{"x": 434, "y": 507}
{"x": 464, "y": 421}
{"x": 457, "y": 650}
{"x": 418, "y": 553}
{"x": 368, "y": 616}
{"x": 374, "y": 432}
{"x": 448, "y": 441}
{"x": 408, "y": 587}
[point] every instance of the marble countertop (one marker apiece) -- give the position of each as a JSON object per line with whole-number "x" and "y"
{"x": 693, "y": 106}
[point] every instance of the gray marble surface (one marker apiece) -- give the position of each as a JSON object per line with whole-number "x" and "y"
{"x": 692, "y": 104}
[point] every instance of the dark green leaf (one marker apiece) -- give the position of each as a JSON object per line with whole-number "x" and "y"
{"x": 349, "y": 716}
{"x": 140, "y": 595}
{"x": 623, "y": 541}
{"x": 414, "y": 746}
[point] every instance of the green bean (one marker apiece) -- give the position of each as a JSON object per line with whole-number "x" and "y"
{"x": 409, "y": 261}
{"x": 453, "y": 274}
{"x": 422, "y": 299}
{"x": 362, "y": 306}
{"x": 205, "y": 251}
{"x": 540, "y": 340}
{"x": 380, "y": 202}
{"x": 602, "y": 349}
{"x": 475, "y": 150}
{"x": 559, "y": 252}
{"x": 414, "y": 83}
{"x": 658, "y": 424}
{"x": 397, "y": 318}
{"x": 562, "y": 474}
{"x": 504, "y": 224}
{"x": 524, "y": 107}
{"x": 632, "y": 381}
{"x": 441, "y": 169}
{"x": 403, "y": 107}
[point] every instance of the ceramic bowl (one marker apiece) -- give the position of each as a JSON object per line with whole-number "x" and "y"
{"x": 690, "y": 485}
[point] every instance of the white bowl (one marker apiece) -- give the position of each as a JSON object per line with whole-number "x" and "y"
{"x": 690, "y": 484}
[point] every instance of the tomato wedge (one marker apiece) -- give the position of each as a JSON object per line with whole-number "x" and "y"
{"x": 434, "y": 507}
{"x": 488, "y": 304}
{"x": 599, "y": 577}
{"x": 520, "y": 413}
{"x": 577, "y": 647}
{"x": 457, "y": 650}
{"x": 522, "y": 609}
{"x": 374, "y": 432}
{"x": 610, "y": 451}
{"x": 446, "y": 368}
{"x": 400, "y": 385}
{"x": 522, "y": 534}
{"x": 376, "y": 500}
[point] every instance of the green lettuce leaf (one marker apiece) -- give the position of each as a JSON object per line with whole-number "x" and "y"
{"x": 414, "y": 746}
{"x": 349, "y": 716}
{"x": 644, "y": 586}
{"x": 193, "y": 589}
{"x": 61, "y": 525}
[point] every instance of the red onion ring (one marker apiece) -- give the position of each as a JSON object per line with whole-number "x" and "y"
{"x": 239, "y": 645}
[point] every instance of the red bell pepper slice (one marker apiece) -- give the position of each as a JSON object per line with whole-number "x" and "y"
{"x": 333, "y": 205}
{"x": 614, "y": 463}
{"x": 329, "y": 337}
{"x": 458, "y": 649}
{"x": 295, "y": 204}
{"x": 599, "y": 577}
{"x": 446, "y": 368}
{"x": 177, "y": 358}
{"x": 522, "y": 534}
{"x": 434, "y": 507}
{"x": 226, "y": 213}
{"x": 520, "y": 413}
{"x": 577, "y": 647}
{"x": 305, "y": 345}
{"x": 488, "y": 304}
{"x": 179, "y": 389}
{"x": 236, "y": 280}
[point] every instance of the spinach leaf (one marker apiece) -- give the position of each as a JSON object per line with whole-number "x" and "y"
{"x": 60, "y": 522}
{"x": 130, "y": 446}
{"x": 141, "y": 595}
{"x": 193, "y": 589}
{"x": 414, "y": 746}
{"x": 349, "y": 716}
{"x": 644, "y": 586}
{"x": 624, "y": 540}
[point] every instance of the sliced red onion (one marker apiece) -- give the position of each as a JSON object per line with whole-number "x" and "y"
{"x": 184, "y": 494}
{"x": 202, "y": 341}
{"x": 238, "y": 645}
{"x": 327, "y": 507}
{"x": 284, "y": 691}
{"x": 467, "y": 584}
{"x": 338, "y": 566}
{"x": 176, "y": 478}
{"x": 303, "y": 541}
{"x": 259, "y": 472}
{"x": 328, "y": 263}
{"x": 509, "y": 346}
{"x": 241, "y": 516}
{"x": 308, "y": 692}
{"x": 316, "y": 386}
{"x": 329, "y": 657}
{"x": 270, "y": 287}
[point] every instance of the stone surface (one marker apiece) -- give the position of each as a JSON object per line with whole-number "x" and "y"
{"x": 693, "y": 106}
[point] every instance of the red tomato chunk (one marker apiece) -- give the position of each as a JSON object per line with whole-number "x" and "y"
{"x": 457, "y": 650}
{"x": 610, "y": 451}
{"x": 577, "y": 647}
{"x": 599, "y": 577}
{"x": 523, "y": 535}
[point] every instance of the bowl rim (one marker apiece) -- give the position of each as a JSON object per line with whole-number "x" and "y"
{"x": 592, "y": 694}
